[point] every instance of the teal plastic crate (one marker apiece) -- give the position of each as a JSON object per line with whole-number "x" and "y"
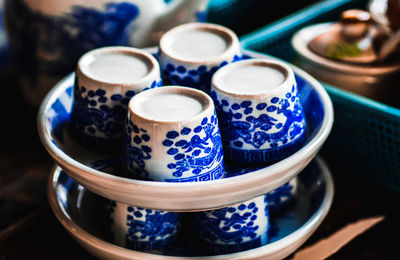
{"x": 365, "y": 138}
{"x": 244, "y": 16}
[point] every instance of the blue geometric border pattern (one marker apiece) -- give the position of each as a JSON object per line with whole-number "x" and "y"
{"x": 215, "y": 174}
{"x": 251, "y": 129}
{"x": 197, "y": 77}
{"x": 196, "y": 152}
{"x": 99, "y": 115}
{"x": 265, "y": 155}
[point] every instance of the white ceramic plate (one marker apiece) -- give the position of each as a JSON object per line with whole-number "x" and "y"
{"x": 79, "y": 212}
{"x": 300, "y": 43}
{"x": 94, "y": 171}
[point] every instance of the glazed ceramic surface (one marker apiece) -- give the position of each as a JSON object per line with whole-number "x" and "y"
{"x": 138, "y": 228}
{"x": 378, "y": 9}
{"x": 101, "y": 101}
{"x": 95, "y": 171}
{"x": 78, "y": 209}
{"x": 235, "y": 228}
{"x": 378, "y": 82}
{"x": 282, "y": 196}
{"x": 58, "y": 34}
{"x": 216, "y": 46}
{"x": 172, "y": 135}
{"x": 258, "y": 125}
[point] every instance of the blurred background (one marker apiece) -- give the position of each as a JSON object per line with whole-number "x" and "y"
{"x": 29, "y": 230}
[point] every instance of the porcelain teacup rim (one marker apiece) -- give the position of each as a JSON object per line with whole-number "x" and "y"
{"x": 153, "y": 66}
{"x": 207, "y": 104}
{"x": 232, "y": 40}
{"x": 284, "y": 68}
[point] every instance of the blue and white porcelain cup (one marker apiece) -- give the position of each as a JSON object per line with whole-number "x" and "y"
{"x": 259, "y": 109}
{"x": 191, "y": 53}
{"x": 172, "y": 135}
{"x": 106, "y": 79}
{"x": 235, "y": 228}
{"x": 140, "y": 229}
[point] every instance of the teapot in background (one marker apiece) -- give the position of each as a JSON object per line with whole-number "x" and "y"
{"x": 47, "y": 37}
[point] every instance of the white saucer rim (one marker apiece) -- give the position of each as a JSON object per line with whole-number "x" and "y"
{"x": 282, "y": 248}
{"x": 142, "y": 193}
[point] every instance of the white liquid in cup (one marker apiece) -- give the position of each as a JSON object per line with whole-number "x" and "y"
{"x": 116, "y": 67}
{"x": 197, "y": 45}
{"x": 251, "y": 79}
{"x": 168, "y": 107}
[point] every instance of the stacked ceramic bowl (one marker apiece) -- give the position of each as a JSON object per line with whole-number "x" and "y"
{"x": 188, "y": 154}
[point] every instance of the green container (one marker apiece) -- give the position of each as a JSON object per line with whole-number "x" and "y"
{"x": 365, "y": 139}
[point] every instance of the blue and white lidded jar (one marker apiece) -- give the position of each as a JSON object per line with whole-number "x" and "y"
{"x": 48, "y": 38}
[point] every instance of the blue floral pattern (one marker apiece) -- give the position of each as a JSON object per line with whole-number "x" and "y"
{"x": 97, "y": 115}
{"x": 196, "y": 152}
{"x": 150, "y": 229}
{"x": 280, "y": 122}
{"x": 134, "y": 156}
{"x": 234, "y": 228}
{"x": 280, "y": 197}
{"x": 199, "y": 78}
{"x": 92, "y": 29}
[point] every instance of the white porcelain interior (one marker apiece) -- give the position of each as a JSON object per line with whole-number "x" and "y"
{"x": 155, "y": 106}
{"x": 113, "y": 66}
{"x": 295, "y": 225}
{"x": 181, "y": 196}
{"x": 213, "y": 42}
{"x": 254, "y": 78}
